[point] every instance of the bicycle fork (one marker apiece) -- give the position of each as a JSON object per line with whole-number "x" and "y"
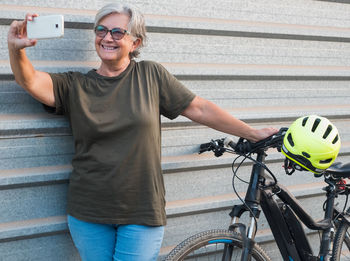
{"x": 247, "y": 234}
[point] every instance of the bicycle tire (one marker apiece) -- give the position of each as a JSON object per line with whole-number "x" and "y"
{"x": 208, "y": 245}
{"x": 341, "y": 245}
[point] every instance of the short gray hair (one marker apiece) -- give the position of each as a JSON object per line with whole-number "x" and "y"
{"x": 136, "y": 25}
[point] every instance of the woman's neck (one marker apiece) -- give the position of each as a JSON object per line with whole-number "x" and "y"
{"x": 112, "y": 69}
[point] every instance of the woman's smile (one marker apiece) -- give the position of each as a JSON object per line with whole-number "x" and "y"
{"x": 109, "y": 47}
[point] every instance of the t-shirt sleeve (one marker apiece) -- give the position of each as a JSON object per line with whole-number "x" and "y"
{"x": 174, "y": 96}
{"x": 61, "y": 84}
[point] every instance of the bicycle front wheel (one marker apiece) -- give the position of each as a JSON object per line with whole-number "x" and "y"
{"x": 209, "y": 245}
{"x": 341, "y": 245}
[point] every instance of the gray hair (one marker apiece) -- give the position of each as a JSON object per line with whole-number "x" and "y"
{"x": 136, "y": 25}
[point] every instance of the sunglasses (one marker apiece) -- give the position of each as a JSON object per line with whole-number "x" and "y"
{"x": 116, "y": 33}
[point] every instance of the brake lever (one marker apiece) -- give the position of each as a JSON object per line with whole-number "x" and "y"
{"x": 218, "y": 147}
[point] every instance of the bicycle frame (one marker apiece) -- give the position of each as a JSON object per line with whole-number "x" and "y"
{"x": 282, "y": 218}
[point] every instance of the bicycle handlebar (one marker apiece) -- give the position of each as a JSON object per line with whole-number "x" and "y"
{"x": 244, "y": 146}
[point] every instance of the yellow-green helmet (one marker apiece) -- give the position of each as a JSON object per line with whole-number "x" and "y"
{"x": 312, "y": 142}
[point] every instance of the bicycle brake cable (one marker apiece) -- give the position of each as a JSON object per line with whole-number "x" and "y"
{"x": 234, "y": 188}
{"x": 265, "y": 168}
{"x": 235, "y": 171}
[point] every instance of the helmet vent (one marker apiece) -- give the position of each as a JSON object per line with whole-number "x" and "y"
{"x": 306, "y": 154}
{"x": 304, "y": 121}
{"x": 326, "y": 133}
{"x": 290, "y": 139}
{"x": 335, "y": 139}
{"x": 316, "y": 123}
{"x": 325, "y": 161}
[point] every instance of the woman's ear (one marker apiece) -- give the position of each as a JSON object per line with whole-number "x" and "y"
{"x": 136, "y": 43}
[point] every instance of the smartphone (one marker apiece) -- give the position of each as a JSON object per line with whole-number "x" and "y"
{"x": 46, "y": 27}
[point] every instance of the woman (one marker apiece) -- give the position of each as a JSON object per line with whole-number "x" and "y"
{"x": 116, "y": 206}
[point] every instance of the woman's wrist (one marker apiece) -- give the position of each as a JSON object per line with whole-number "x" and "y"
{"x": 252, "y": 134}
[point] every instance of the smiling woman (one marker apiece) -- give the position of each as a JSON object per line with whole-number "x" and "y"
{"x": 116, "y": 196}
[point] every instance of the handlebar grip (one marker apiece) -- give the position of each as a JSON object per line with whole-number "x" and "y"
{"x": 204, "y": 147}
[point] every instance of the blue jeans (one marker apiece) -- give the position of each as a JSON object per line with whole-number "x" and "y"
{"x": 104, "y": 242}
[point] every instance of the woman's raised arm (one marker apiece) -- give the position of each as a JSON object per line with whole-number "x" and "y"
{"x": 38, "y": 84}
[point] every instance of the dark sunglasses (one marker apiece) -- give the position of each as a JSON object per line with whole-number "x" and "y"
{"x": 116, "y": 33}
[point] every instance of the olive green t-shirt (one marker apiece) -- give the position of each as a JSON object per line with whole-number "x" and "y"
{"x": 115, "y": 121}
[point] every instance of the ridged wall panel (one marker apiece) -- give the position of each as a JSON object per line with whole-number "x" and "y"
{"x": 266, "y": 62}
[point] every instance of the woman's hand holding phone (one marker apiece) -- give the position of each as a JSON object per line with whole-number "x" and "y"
{"x": 17, "y": 35}
{"x": 25, "y": 33}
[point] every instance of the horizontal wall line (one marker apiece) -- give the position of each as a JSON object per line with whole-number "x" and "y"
{"x": 34, "y": 184}
{"x": 336, "y": 1}
{"x": 199, "y": 77}
{"x": 36, "y": 235}
{"x": 270, "y": 119}
{"x": 195, "y": 31}
{"x": 6, "y": 21}
{"x": 79, "y": 25}
{"x": 195, "y": 77}
{"x": 212, "y": 32}
{"x": 34, "y": 132}
{"x": 54, "y": 131}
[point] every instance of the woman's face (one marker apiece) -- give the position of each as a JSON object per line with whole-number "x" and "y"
{"x": 110, "y": 50}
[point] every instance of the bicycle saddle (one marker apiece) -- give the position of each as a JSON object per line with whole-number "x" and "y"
{"x": 339, "y": 170}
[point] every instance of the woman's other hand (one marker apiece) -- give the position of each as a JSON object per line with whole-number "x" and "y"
{"x": 260, "y": 134}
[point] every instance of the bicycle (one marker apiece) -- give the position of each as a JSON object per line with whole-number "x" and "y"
{"x": 285, "y": 215}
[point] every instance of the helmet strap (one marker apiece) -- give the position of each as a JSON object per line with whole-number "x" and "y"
{"x": 289, "y": 167}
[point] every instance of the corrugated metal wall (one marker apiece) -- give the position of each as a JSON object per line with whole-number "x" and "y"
{"x": 266, "y": 61}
